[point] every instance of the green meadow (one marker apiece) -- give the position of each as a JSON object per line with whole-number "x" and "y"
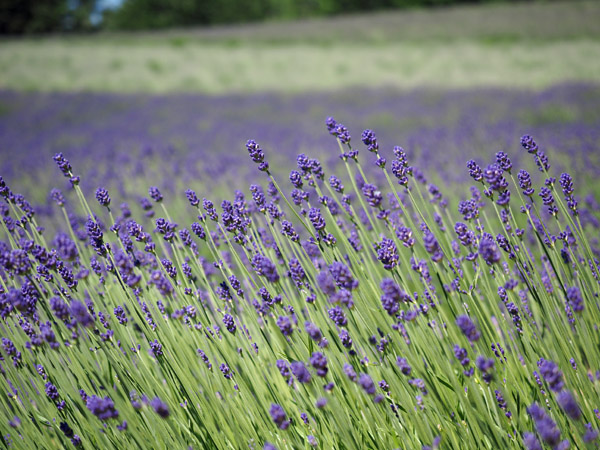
{"x": 528, "y": 45}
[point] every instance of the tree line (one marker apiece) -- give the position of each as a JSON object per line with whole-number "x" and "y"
{"x": 49, "y": 16}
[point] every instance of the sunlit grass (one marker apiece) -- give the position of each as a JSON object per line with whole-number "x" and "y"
{"x": 524, "y": 45}
{"x": 212, "y": 68}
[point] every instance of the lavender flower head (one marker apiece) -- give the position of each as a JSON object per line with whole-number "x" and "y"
{"x": 529, "y": 144}
{"x": 373, "y": 195}
{"x": 313, "y": 331}
{"x": 503, "y": 161}
{"x": 192, "y": 197}
{"x": 285, "y": 325}
{"x": 229, "y": 323}
{"x": 155, "y": 194}
{"x": 525, "y": 183}
{"x": 300, "y": 371}
{"x": 370, "y": 140}
{"x": 265, "y": 267}
{"x": 103, "y": 408}
{"x": 160, "y": 407}
{"x": 279, "y": 417}
{"x": 475, "y": 170}
{"x": 102, "y": 196}
{"x": 552, "y": 375}
{"x": 489, "y": 251}
{"x": 57, "y": 197}
{"x": 319, "y": 362}
{"x": 257, "y": 155}
{"x": 296, "y": 179}
{"x": 63, "y": 164}
{"x": 315, "y": 217}
{"x": 366, "y": 382}
{"x": 432, "y": 246}
{"x": 338, "y": 130}
{"x": 544, "y": 425}
{"x": 405, "y": 234}
{"x": 51, "y": 391}
{"x": 337, "y": 315}
{"x": 468, "y": 328}
{"x": 96, "y": 238}
{"x": 402, "y": 363}
{"x": 343, "y": 276}
{"x": 387, "y": 253}
{"x": 575, "y": 299}
{"x": 350, "y": 372}
{"x": 392, "y": 296}
{"x": 81, "y": 314}
{"x": 569, "y": 405}
{"x": 531, "y": 442}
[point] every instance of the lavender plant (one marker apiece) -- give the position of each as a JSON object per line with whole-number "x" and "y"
{"x": 361, "y": 309}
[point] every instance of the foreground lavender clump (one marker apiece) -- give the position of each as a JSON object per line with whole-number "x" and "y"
{"x": 355, "y": 311}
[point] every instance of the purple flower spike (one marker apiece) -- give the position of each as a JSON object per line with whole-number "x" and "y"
{"x": 102, "y": 196}
{"x": 300, "y": 371}
{"x": 229, "y": 323}
{"x": 370, "y": 140}
{"x": 257, "y": 155}
{"x": 319, "y": 362}
{"x": 366, "y": 382}
{"x": 387, "y": 253}
{"x": 575, "y": 299}
{"x": 544, "y": 425}
{"x": 192, "y": 197}
{"x": 160, "y": 407}
{"x": 313, "y": 331}
{"x": 475, "y": 170}
{"x": 402, "y": 363}
{"x": 343, "y": 276}
{"x": 488, "y": 249}
{"x": 531, "y": 442}
{"x": 285, "y": 325}
{"x": 529, "y": 144}
{"x": 63, "y": 164}
{"x": 279, "y": 417}
{"x": 103, "y": 408}
{"x": 80, "y": 313}
{"x": 337, "y": 315}
{"x": 525, "y": 183}
{"x": 468, "y": 328}
{"x": 569, "y": 405}
{"x": 552, "y": 375}
{"x": 315, "y": 217}
{"x": 155, "y": 194}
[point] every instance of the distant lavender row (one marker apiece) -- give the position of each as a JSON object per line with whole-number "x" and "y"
{"x": 181, "y": 139}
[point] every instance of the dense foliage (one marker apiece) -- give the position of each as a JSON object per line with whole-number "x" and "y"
{"x": 149, "y": 14}
{"x": 331, "y": 310}
{"x": 33, "y": 16}
{"x": 30, "y": 16}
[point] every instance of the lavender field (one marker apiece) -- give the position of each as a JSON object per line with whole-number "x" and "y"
{"x": 363, "y": 267}
{"x": 183, "y": 140}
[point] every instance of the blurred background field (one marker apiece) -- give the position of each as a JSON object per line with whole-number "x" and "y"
{"x": 128, "y": 142}
{"x": 174, "y": 107}
{"x": 530, "y": 45}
